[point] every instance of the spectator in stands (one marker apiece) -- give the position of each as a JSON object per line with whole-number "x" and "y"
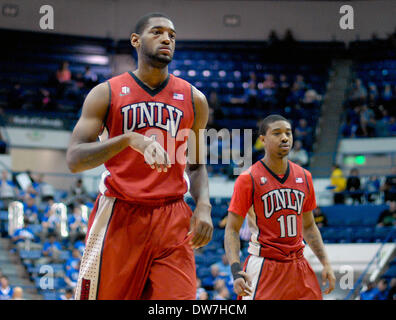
{"x": 347, "y": 130}
{"x": 358, "y": 93}
{"x": 389, "y": 186}
{"x": 63, "y": 79}
{"x": 387, "y": 94}
{"x": 311, "y": 99}
{"x": 283, "y": 89}
{"x": 304, "y": 133}
{"x": 22, "y": 236}
{"x": 51, "y": 251}
{"x": 268, "y": 90}
{"x": 215, "y": 111}
{"x": 367, "y": 121}
{"x": 78, "y": 194}
{"x": 68, "y": 295}
{"x": 319, "y": 217}
{"x": 353, "y": 186}
{"x": 382, "y": 290}
{"x": 50, "y": 223}
{"x": 80, "y": 244}
{"x": 5, "y": 290}
{"x": 372, "y": 188}
{"x": 222, "y": 294}
{"x": 90, "y": 77}
{"x": 71, "y": 276}
{"x": 200, "y": 290}
{"x": 372, "y": 90}
{"x": 74, "y": 260}
{"x": 370, "y": 291}
{"x": 338, "y": 183}
{"x": 392, "y": 126}
{"x": 298, "y": 154}
{"x": 387, "y": 217}
{"x": 17, "y": 294}
{"x": 203, "y": 295}
{"x": 45, "y": 102}
{"x": 30, "y": 209}
{"x": 77, "y": 224}
{"x": 224, "y": 266}
{"x": 392, "y": 290}
{"x": 8, "y": 190}
{"x": 45, "y": 190}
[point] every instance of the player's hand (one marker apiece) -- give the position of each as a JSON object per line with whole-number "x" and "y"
{"x": 243, "y": 286}
{"x": 154, "y": 154}
{"x": 328, "y": 275}
{"x": 201, "y": 226}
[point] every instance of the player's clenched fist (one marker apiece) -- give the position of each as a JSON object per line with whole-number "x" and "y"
{"x": 154, "y": 154}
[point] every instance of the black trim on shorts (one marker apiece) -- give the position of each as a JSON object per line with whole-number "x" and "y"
{"x": 151, "y": 92}
{"x": 103, "y": 243}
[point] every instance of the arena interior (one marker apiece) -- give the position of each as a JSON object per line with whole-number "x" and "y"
{"x": 337, "y": 86}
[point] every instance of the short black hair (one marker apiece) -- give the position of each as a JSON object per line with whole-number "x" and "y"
{"x": 143, "y": 21}
{"x": 268, "y": 120}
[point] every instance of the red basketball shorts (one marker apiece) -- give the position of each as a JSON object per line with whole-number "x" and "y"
{"x": 281, "y": 280}
{"x": 137, "y": 252}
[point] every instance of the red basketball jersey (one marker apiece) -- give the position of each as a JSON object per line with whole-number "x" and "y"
{"x": 274, "y": 206}
{"x": 166, "y": 113}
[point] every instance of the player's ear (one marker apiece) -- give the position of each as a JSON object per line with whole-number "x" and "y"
{"x": 262, "y": 138}
{"x": 135, "y": 40}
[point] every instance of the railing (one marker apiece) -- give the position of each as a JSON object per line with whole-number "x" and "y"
{"x": 359, "y": 282}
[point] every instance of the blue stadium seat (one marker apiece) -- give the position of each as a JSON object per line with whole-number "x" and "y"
{"x": 33, "y": 254}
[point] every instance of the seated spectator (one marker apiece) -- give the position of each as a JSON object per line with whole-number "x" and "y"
{"x": 23, "y": 237}
{"x": 50, "y": 223}
{"x": 71, "y": 276}
{"x": 77, "y": 224}
{"x": 6, "y": 291}
{"x": 74, "y": 260}
{"x": 358, "y": 93}
{"x": 200, "y": 290}
{"x": 392, "y": 290}
{"x": 30, "y": 209}
{"x": 338, "y": 183}
{"x": 392, "y": 126}
{"x": 304, "y": 133}
{"x": 370, "y": 291}
{"x": 51, "y": 251}
{"x": 78, "y": 194}
{"x": 203, "y": 295}
{"x": 68, "y": 295}
{"x": 298, "y": 154}
{"x": 319, "y": 217}
{"x": 63, "y": 74}
{"x": 382, "y": 290}
{"x": 389, "y": 186}
{"x": 224, "y": 266}
{"x": 17, "y": 294}
{"x": 45, "y": 190}
{"x": 8, "y": 190}
{"x": 387, "y": 217}
{"x": 80, "y": 244}
{"x": 283, "y": 89}
{"x": 372, "y": 188}
{"x": 367, "y": 121}
{"x": 90, "y": 77}
{"x": 353, "y": 186}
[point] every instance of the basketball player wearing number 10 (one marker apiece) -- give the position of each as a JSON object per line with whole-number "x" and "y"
{"x": 278, "y": 197}
{"x": 141, "y": 234}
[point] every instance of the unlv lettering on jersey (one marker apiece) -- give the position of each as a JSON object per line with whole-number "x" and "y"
{"x": 280, "y": 199}
{"x": 151, "y": 114}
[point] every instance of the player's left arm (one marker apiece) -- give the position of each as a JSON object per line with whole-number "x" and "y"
{"x": 313, "y": 238}
{"x": 201, "y": 221}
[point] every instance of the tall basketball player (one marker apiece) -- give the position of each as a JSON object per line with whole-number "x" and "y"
{"x": 141, "y": 233}
{"x": 278, "y": 197}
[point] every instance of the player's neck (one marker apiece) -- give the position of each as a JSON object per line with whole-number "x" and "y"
{"x": 150, "y": 76}
{"x": 277, "y": 165}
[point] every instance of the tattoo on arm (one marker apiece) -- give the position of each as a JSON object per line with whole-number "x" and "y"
{"x": 314, "y": 239}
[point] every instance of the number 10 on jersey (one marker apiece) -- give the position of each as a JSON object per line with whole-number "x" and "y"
{"x": 290, "y": 227}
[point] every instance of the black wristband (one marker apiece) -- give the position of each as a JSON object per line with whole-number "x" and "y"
{"x": 235, "y": 269}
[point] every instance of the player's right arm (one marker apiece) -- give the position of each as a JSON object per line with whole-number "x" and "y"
{"x": 232, "y": 245}
{"x": 85, "y": 152}
{"x": 241, "y": 202}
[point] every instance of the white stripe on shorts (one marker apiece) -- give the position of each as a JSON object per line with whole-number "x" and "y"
{"x": 90, "y": 262}
{"x": 253, "y": 269}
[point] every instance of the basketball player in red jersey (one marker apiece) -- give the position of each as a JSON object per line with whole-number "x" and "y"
{"x": 277, "y": 196}
{"x": 141, "y": 233}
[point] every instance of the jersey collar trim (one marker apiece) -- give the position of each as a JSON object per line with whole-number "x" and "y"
{"x": 281, "y": 180}
{"x": 151, "y": 92}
